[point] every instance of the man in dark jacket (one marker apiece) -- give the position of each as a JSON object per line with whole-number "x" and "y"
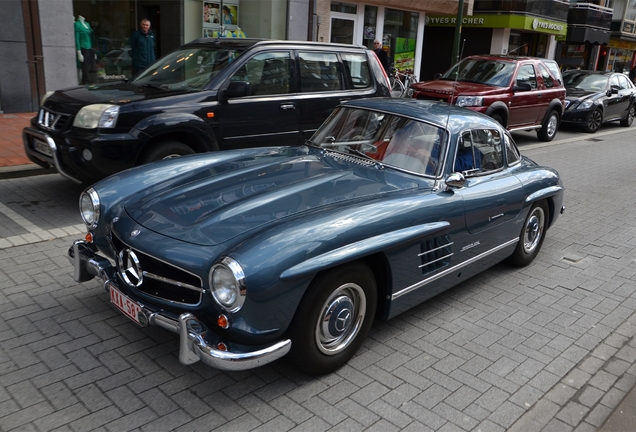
{"x": 142, "y": 47}
{"x": 382, "y": 55}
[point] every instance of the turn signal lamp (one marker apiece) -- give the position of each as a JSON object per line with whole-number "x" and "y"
{"x": 223, "y": 322}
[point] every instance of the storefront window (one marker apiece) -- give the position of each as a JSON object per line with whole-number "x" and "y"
{"x": 620, "y": 60}
{"x": 400, "y": 35}
{"x": 370, "y": 25}
{"x": 103, "y": 29}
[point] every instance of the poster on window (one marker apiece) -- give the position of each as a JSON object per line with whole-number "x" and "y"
{"x": 404, "y": 54}
{"x": 220, "y": 19}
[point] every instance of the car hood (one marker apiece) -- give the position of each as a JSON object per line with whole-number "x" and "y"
{"x": 119, "y": 93}
{"x": 445, "y": 87}
{"x": 219, "y": 200}
{"x": 573, "y": 94}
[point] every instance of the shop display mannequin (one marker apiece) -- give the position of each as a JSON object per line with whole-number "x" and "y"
{"x": 83, "y": 44}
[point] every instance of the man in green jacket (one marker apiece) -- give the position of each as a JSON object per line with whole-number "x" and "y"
{"x": 142, "y": 47}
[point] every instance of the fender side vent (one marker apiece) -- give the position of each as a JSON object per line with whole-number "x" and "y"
{"x": 435, "y": 254}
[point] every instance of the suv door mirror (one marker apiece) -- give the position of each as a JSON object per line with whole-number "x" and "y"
{"x": 437, "y": 76}
{"x": 521, "y": 86}
{"x": 236, "y": 89}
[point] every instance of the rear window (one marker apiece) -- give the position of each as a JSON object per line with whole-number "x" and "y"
{"x": 319, "y": 72}
{"x": 358, "y": 69}
{"x": 553, "y": 67}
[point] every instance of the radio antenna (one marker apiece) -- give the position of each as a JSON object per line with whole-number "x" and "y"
{"x": 452, "y": 98}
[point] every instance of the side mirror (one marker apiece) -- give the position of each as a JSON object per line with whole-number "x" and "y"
{"x": 614, "y": 89}
{"x": 455, "y": 180}
{"x": 437, "y": 76}
{"x": 522, "y": 86}
{"x": 236, "y": 89}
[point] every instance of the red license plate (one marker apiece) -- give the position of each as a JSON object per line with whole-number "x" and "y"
{"x": 128, "y": 307}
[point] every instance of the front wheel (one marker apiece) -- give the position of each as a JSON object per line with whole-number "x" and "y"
{"x": 531, "y": 237}
{"x": 595, "y": 121}
{"x": 550, "y": 126}
{"x": 627, "y": 121}
{"x": 333, "y": 319}
{"x": 165, "y": 150}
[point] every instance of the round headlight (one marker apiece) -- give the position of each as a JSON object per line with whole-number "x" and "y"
{"x": 227, "y": 283}
{"x": 89, "y": 207}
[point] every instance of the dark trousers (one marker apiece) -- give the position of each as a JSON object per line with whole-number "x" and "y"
{"x": 87, "y": 65}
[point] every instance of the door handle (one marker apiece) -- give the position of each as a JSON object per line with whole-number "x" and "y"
{"x": 287, "y": 106}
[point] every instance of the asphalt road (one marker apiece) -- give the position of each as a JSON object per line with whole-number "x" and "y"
{"x": 547, "y": 347}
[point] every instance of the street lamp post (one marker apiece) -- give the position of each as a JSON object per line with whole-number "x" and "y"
{"x": 458, "y": 31}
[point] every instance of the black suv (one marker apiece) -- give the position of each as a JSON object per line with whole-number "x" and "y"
{"x": 208, "y": 95}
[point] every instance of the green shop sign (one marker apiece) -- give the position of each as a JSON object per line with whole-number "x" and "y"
{"x": 519, "y": 22}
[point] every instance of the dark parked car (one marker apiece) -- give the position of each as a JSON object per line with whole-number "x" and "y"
{"x": 594, "y": 98}
{"x": 521, "y": 93}
{"x": 208, "y": 95}
{"x": 251, "y": 254}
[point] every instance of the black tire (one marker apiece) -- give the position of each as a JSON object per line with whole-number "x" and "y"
{"x": 550, "y": 126}
{"x": 165, "y": 150}
{"x": 532, "y": 235}
{"x": 332, "y": 300}
{"x": 595, "y": 121}
{"x": 627, "y": 121}
{"x": 498, "y": 119}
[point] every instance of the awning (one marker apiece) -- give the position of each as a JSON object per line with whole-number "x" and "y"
{"x": 581, "y": 35}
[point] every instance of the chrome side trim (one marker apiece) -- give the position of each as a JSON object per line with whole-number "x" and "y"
{"x": 436, "y": 249}
{"x": 428, "y": 263}
{"x": 450, "y": 270}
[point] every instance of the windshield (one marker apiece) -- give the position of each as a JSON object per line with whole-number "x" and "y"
{"x": 495, "y": 73}
{"x": 397, "y": 141}
{"x": 586, "y": 82}
{"x": 187, "y": 69}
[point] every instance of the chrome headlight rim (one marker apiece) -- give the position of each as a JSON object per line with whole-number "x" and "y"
{"x": 97, "y": 116}
{"x": 239, "y": 285}
{"x": 90, "y": 216}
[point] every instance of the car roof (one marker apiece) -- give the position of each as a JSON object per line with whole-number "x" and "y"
{"x": 590, "y": 72}
{"x": 506, "y": 57}
{"x": 248, "y": 42}
{"x": 441, "y": 114}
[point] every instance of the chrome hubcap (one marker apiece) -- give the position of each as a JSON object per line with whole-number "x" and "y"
{"x": 533, "y": 230}
{"x": 340, "y": 319}
{"x": 552, "y": 125}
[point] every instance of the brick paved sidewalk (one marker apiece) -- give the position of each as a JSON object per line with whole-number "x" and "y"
{"x": 11, "y": 148}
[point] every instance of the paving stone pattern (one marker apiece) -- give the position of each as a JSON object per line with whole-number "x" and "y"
{"x": 547, "y": 347}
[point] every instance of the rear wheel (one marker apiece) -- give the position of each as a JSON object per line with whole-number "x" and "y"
{"x": 165, "y": 150}
{"x": 333, "y": 318}
{"x": 532, "y": 236}
{"x": 595, "y": 121}
{"x": 627, "y": 121}
{"x": 550, "y": 126}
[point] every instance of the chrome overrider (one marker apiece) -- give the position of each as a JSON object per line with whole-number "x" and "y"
{"x": 193, "y": 347}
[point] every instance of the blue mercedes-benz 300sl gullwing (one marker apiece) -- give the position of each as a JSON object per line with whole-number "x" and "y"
{"x": 252, "y": 254}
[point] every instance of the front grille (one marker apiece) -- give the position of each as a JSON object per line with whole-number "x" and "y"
{"x": 163, "y": 280}
{"x": 435, "y": 254}
{"x": 440, "y": 98}
{"x": 52, "y": 120}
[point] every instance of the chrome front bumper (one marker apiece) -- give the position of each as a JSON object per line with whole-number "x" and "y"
{"x": 192, "y": 345}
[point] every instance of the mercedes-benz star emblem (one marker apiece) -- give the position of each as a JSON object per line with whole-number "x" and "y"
{"x": 343, "y": 319}
{"x": 129, "y": 268}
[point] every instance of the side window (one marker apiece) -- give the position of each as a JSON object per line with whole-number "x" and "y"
{"x": 268, "y": 73}
{"x": 614, "y": 82}
{"x": 512, "y": 152}
{"x": 623, "y": 82}
{"x": 319, "y": 72}
{"x": 527, "y": 75}
{"x": 479, "y": 151}
{"x": 548, "y": 81}
{"x": 358, "y": 68}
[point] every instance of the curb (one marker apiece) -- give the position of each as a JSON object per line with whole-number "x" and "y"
{"x": 26, "y": 170}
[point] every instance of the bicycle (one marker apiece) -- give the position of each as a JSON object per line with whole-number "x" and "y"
{"x": 401, "y": 83}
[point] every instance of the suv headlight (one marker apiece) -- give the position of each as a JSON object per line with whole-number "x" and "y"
{"x": 227, "y": 283}
{"x": 97, "y": 115}
{"x": 89, "y": 207}
{"x": 468, "y": 101}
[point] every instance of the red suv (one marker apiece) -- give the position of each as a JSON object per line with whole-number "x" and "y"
{"x": 521, "y": 93}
